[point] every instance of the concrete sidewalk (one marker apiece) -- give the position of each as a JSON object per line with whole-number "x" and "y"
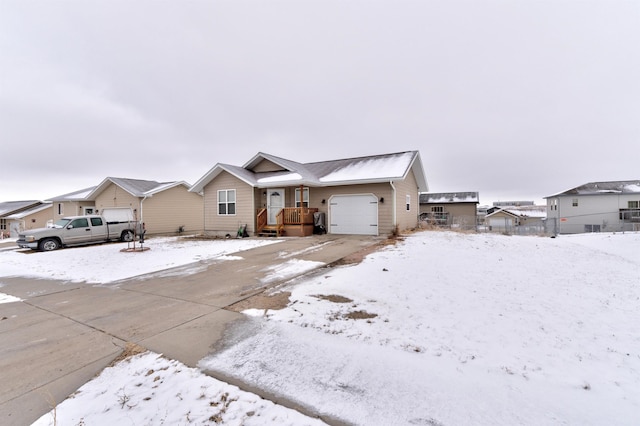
{"x": 62, "y": 334}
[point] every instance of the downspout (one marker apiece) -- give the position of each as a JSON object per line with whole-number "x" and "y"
{"x": 204, "y": 210}
{"x": 141, "y": 221}
{"x": 393, "y": 202}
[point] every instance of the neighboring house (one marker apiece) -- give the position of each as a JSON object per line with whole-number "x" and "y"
{"x": 455, "y": 209}
{"x": 165, "y": 208}
{"x": 73, "y": 204}
{"x": 10, "y": 222}
{"x": 596, "y": 207}
{"x": 529, "y": 219}
{"x": 374, "y": 195}
{"x": 32, "y": 218}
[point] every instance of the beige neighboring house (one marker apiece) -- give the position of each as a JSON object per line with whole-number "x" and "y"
{"x": 517, "y": 219}
{"x": 374, "y": 195}
{"x": 18, "y": 216}
{"x": 453, "y": 209}
{"x": 73, "y": 204}
{"x": 164, "y": 207}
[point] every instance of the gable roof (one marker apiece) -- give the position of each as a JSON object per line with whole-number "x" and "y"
{"x": 528, "y": 211}
{"x": 599, "y": 188}
{"x": 449, "y": 197}
{"x": 507, "y": 212}
{"x": 35, "y": 209}
{"x": 136, "y": 187}
{"x": 360, "y": 170}
{"x": 78, "y": 195}
{"x": 12, "y": 207}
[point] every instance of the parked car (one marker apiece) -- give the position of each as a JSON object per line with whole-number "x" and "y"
{"x": 76, "y": 230}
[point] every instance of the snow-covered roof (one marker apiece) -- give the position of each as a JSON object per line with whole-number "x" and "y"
{"x": 136, "y": 187}
{"x": 11, "y": 207}
{"x": 532, "y": 212}
{"x": 78, "y": 195}
{"x": 526, "y": 211}
{"x": 449, "y": 197}
{"x": 164, "y": 186}
{"x": 370, "y": 169}
{"x": 599, "y": 188}
{"x": 29, "y": 211}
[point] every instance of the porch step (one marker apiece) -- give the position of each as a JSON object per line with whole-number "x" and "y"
{"x": 270, "y": 231}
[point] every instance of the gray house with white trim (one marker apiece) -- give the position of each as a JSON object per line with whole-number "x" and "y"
{"x": 596, "y": 207}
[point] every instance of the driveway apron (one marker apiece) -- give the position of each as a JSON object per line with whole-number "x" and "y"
{"x": 63, "y": 334}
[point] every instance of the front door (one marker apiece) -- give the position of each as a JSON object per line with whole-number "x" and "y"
{"x": 275, "y": 203}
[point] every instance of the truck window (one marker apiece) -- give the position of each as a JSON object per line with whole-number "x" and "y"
{"x": 80, "y": 223}
{"x": 96, "y": 221}
{"x": 61, "y": 223}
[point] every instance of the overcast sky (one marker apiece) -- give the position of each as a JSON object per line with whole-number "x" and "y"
{"x": 514, "y": 99}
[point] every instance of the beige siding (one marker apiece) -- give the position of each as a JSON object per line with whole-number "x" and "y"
{"x": 165, "y": 212}
{"x": 266, "y": 166}
{"x": 71, "y": 208}
{"x": 215, "y": 224}
{"x": 114, "y": 196}
{"x": 38, "y": 220}
{"x": 407, "y": 219}
{"x": 248, "y": 200}
{"x": 464, "y": 214}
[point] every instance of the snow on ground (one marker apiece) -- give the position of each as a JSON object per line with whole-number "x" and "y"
{"x": 94, "y": 264}
{"x": 148, "y": 389}
{"x": 440, "y": 329}
{"x": 6, "y": 298}
{"x": 449, "y": 328}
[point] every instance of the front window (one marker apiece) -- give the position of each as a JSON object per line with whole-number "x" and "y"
{"x": 575, "y": 202}
{"x": 305, "y": 197}
{"x": 227, "y": 202}
{"x": 634, "y": 204}
{"x": 3, "y": 224}
{"x": 60, "y": 208}
{"x": 408, "y": 202}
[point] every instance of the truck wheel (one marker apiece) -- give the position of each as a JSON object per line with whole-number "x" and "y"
{"x": 49, "y": 244}
{"x": 127, "y": 236}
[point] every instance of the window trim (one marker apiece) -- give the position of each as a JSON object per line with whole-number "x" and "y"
{"x": 226, "y": 203}
{"x": 305, "y": 197}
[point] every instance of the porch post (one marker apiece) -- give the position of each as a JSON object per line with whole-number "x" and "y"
{"x": 300, "y": 211}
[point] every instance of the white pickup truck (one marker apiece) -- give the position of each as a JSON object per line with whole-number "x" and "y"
{"x": 76, "y": 230}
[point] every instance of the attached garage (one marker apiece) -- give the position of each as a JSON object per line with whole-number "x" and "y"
{"x": 353, "y": 214}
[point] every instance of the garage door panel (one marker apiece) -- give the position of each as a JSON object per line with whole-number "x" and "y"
{"x": 354, "y": 214}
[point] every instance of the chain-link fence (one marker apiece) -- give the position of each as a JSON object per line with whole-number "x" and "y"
{"x": 625, "y": 220}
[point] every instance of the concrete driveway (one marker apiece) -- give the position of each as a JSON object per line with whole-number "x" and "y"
{"x": 62, "y": 334}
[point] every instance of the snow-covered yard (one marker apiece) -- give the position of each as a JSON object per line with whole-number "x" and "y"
{"x": 440, "y": 329}
{"x": 95, "y": 264}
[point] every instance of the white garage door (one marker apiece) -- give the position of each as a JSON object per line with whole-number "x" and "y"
{"x": 354, "y": 214}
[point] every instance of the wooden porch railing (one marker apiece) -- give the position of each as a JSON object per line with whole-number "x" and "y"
{"x": 287, "y": 216}
{"x": 298, "y": 215}
{"x": 261, "y": 219}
